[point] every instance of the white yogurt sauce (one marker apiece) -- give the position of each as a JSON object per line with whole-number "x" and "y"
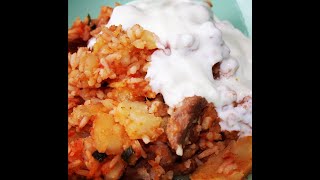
{"x": 190, "y": 43}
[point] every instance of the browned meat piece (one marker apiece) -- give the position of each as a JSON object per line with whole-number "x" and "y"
{"x": 185, "y": 167}
{"x": 74, "y": 44}
{"x": 143, "y": 169}
{"x": 138, "y": 172}
{"x": 209, "y": 117}
{"x": 182, "y": 121}
{"x": 233, "y": 135}
{"x": 234, "y": 162}
{"x": 162, "y": 150}
{"x": 194, "y": 134}
{"x": 189, "y": 151}
{"x": 216, "y": 70}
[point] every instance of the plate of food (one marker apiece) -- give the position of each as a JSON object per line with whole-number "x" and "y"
{"x": 159, "y": 90}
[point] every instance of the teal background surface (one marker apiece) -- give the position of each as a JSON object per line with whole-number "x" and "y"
{"x": 237, "y": 12}
{"x": 223, "y": 9}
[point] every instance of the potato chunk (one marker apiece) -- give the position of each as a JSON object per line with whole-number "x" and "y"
{"x": 138, "y": 122}
{"x": 109, "y": 136}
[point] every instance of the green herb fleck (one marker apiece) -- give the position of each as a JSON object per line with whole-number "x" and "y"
{"x": 89, "y": 17}
{"x": 127, "y": 154}
{"x": 99, "y": 156}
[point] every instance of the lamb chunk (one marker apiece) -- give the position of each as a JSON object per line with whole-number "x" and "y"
{"x": 183, "y": 120}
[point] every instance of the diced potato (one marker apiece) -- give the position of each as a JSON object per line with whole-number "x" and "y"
{"x": 108, "y": 136}
{"x": 138, "y": 122}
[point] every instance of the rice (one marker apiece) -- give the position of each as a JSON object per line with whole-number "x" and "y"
{"x": 208, "y": 152}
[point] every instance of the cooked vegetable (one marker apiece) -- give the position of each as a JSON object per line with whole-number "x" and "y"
{"x": 127, "y": 154}
{"x": 138, "y": 122}
{"x": 108, "y": 136}
{"x": 99, "y": 156}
